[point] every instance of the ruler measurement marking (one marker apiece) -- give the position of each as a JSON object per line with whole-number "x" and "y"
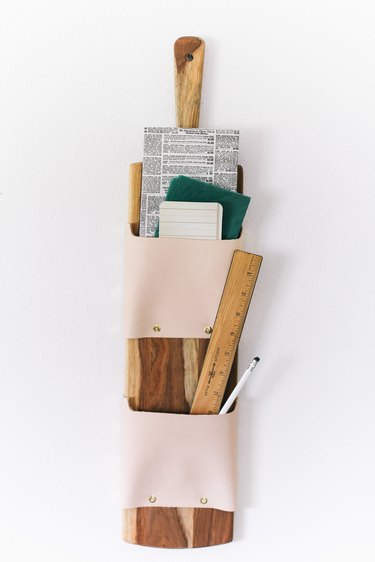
{"x": 229, "y": 322}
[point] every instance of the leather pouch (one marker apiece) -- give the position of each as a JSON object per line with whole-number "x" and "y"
{"x": 175, "y": 283}
{"x": 179, "y": 460}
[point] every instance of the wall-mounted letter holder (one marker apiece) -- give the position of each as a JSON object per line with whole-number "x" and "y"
{"x": 179, "y": 470}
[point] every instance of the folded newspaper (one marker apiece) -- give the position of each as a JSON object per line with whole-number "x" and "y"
{"x": 209, "y": 155}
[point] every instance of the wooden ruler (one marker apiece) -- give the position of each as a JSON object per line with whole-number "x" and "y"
{"x": 229, "y": 322}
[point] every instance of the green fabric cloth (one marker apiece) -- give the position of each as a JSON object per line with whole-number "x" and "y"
{"x": 183, "y": 188}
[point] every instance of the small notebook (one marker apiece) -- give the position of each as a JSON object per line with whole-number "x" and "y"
{"x": 187, "y": 219}
{"x": 184, "y": 188}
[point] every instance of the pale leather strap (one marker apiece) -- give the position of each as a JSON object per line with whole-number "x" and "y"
{"x": 174, "y": 283}
{"x": 175, "y": 460}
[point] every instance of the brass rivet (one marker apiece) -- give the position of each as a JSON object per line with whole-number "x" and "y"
{"x": 208, "y": 329}
{"x": 156, "y": 328}
{"x": 152, "y": 499}
{"x": 204, "y": 500}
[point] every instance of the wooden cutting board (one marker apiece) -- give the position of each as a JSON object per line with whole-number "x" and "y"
{"x": 152, "y": 361}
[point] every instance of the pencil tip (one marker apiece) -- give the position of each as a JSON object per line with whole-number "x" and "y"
{"x": 257, "y": 359}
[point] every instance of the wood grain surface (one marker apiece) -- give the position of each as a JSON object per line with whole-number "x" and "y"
{"x": 134, "y": 196}
{"x": 188, "y": 57}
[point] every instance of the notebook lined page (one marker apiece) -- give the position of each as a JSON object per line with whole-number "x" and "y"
{"x": 186, "y": 219}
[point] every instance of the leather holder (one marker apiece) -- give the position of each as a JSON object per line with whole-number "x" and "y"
{"x": 174, "y": 283}
{"x": 179, "y": 460}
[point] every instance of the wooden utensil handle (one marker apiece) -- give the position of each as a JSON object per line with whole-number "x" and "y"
{"x": 189, "y": 57}
{"x": 135, "y": 187}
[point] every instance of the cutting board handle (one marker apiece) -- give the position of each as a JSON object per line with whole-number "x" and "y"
{"x": 189, "y": 57}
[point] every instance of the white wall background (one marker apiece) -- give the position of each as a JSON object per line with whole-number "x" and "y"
{"x": 79, "y": 80}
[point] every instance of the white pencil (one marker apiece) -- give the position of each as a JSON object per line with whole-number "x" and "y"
{"x": 237, "y": 389}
